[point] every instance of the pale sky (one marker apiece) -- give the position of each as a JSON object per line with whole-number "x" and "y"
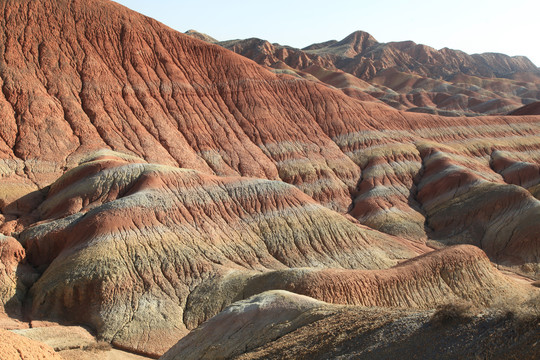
{"x": 511, "y": 27}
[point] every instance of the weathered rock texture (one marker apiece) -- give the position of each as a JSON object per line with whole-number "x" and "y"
{"x": 124, "y": 244}
{"x": 178, "y": 101}
{"x": 466, "y": 203}
{"x": 256, "y": 329}
{"x": 529, "y": 109}
{"x": 246, "y": 325}
{"x": 15, "y": 276}
{"x": 153, "y": 179}
{"x": 15, "y": 347}
{"x": 406, "y": 75}
{"x": 448, "y": 275}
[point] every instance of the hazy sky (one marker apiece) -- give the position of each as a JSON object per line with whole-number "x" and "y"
{"x": 511, "y": 27}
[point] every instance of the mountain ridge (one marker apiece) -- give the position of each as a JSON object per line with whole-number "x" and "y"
{"x": 430, "y": 73}
{"x": 148, "y": 180}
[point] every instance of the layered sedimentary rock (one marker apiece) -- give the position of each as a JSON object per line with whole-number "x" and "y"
{"x": 165, "y": 96}
{"x": 256, "y": 329}
{"x": 136, "y": 239}
{"x": 444, "y": 276}
{"x": 466, "y": 202}
{"x": 154, "y": 179}
{"x": 15, "y": 276}
{"x": 16, "y": 347}
{"x": 177, "y": 101}
{"x": 515, "y": 170}
{"x": 406, "y": 75}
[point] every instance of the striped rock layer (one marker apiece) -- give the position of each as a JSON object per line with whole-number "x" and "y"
{"x": 440, "y": 277}
{"x": 129, "y": 243}
{"x": 177, "y": 101}
{"x": 249, "y": 177}
{"x": 284, "y": 325}
{"x": 143, "y": 253}
{"x": 408, "y": 76}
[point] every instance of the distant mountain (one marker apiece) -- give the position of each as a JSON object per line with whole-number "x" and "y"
{"x": 406, "y": 75}
{"x": 529, "y": 109}
{"x": 200, "y": 36}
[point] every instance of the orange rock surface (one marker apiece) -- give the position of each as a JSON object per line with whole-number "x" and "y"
{"x": 150, "y": 179}
{"x": 15, "y": 347}
{"x": 406, "y": 75}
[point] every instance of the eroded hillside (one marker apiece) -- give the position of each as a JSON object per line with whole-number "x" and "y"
{"x": 149, "y": 180}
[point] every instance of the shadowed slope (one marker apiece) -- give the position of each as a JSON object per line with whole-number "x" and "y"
{"x": 283, "y": 325}
{"x": 529, "y": 109}
{"x": 16, "y": 276}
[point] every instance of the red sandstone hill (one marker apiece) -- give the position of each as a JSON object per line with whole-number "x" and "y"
{"x": 406, "y": 75}
{"x": 150, "y": 179}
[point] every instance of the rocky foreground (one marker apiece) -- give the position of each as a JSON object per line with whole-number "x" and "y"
{"x": 163, "y": 196}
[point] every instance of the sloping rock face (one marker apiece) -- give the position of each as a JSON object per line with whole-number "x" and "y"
{"x": 174, "y": 100}
{"x": 514, "y": 170}
{"x": 406, "y": 75}
{"x": 153, "y": 179}
{"x": 16, "y": 347}
{"x": 124, "y": 244}
{"x": 247, "y": 324}
{"x": 462, "y": 272}
{"x": 256, "y": 329}
{"x": 466, "y": 203}
{"x": 16, "y": 276}
{"x": 162, "y": 96}
{"x": 529, "y": 109}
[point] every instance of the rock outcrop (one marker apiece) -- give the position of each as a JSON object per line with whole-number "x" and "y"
{"x": 16, "y": 276}
{"x": 152, "y": 179}
{"x": 256, "y": 329}
{"x": 136, "y": 239}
